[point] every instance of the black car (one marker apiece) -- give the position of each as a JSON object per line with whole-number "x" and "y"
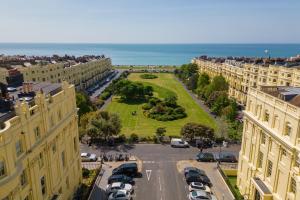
{"x": 193, "y": 170}
{"x": 129, "y": 169}
{"x": 227, "y": 157}
{"x": 205, "y": 157}
{"x": 120, "y": 178}
{"x": 191, "y": 177}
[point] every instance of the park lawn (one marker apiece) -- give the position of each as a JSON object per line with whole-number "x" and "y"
{"x": 165, "y": 84}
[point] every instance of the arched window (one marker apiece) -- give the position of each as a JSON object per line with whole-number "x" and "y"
{"x": 288, "y": 129}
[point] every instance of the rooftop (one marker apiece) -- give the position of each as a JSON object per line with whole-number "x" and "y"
{"x": 26, "y": 93}
{"x": 285, "y": 93}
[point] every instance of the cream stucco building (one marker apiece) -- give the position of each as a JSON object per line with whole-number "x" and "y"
{"x": 39, "y": 145}
{"x": 269, "y": 160}
{"x": 82, "y": 75}
{"x": 241, "y": 75}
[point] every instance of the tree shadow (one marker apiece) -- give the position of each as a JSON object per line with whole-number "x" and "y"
{"x": 132, "y": 101}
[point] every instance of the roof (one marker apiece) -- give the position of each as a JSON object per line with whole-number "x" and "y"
{"x": 285, "y": 93}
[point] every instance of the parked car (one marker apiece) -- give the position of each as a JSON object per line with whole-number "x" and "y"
{"x": 199, "y": 186}
{"x": 177, "y": 142}
{"x": 88, "y": 157}
{"x": 194, "y": 177}
{"x": 201, "y": 195}
{"x": 129, "y": 169}
{"x": 120, "y": 178}
{"x": 193, "y": 170}
{"x": 114, "y": 187}
{"x": 227, "y": 157}
{"x": 120, "y": 195}
{"x": 205, "y": 157}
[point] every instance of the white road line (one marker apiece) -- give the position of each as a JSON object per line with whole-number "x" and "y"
{"x": 159, "y": 183}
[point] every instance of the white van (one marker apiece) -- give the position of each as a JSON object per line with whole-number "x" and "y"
{"x": 177, "y": 142}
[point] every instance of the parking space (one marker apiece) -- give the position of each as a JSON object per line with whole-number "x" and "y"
{"x": 161, "y": 172}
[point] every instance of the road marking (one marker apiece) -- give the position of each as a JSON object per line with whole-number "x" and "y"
{"x": 159, "y": 183}
{"x": 148, "y": 173}
{"x": 149, "y": 162}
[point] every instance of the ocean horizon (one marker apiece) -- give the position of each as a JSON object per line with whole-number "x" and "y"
{"x": 150, "y": 54}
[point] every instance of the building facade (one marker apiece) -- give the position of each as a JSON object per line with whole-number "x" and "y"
{"x": 82, "y": 75}
{"x": 269, "y": 160}
{"x": 39, "y": 145}
{"x": 241, "y": 76}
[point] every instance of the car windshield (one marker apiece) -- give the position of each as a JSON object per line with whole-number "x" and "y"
{"x": 88, "y": 154}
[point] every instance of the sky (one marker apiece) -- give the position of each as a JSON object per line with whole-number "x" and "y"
{"x": 150, "y": 21}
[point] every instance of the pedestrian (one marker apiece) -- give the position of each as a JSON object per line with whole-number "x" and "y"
{"x": 201, "y": 149}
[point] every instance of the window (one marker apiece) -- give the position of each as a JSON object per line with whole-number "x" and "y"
{"x": 19, "y": 149}
{"x": 37, "y": 133}
{"x": 68, "y": 183}
{"x": 54, "y": 147}
{"x": 267, "y": 116}
{"x": 288, "y": 129}
{"x": 293, "y": 186}
{"x": 33, "y": 79}
{"x": 23, "y": 178}
{"x": 263, "y": 138}
{"x": 63, "y": 159}
{"x": 59, "y": 115}
{"x": 75, "y": 144}
{"x": 260, "y": 159}
{"x": 41, "y": 160}
{"x": 43, "y": 185}
{"x": 269, "y": 169}
{"x": 2, "y": 169}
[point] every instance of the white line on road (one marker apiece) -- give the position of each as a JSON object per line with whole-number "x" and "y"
{"x": 159, "y": 183}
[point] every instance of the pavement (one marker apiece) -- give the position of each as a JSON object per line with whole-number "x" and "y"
{"x": 161, "y": 178}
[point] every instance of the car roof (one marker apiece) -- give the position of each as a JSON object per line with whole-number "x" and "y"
{"x": 116, "y": 184}
{"x": 176, "y": 139}
{"x": 200, "y": 193}
{"x": 197, "y": 183}
{"x": 84, "y": 154}
{"x": 129, "y": 165}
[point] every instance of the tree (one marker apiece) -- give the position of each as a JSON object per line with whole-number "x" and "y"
{"x": 230, "y": 111}
{"x": 191, "y": 82}
{"x": 129, "y": 90}
{"x": 160, "y": 132}
{"x": 191, "y": 130}
{"x": 83, "y": 103}
{"x": 203, "y": 80}
{"x": 104, "y": 125}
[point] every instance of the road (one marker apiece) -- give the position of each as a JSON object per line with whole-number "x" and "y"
{"x": 101, "y": 89}
{"x": 164, "y": 181}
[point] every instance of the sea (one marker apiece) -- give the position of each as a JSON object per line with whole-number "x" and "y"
{"x": 151, "y": 54}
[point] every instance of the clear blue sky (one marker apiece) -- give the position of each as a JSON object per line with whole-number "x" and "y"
{"x": 150, "y": 21}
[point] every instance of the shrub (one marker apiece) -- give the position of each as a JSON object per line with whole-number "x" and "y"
{"x": 147, "y": 106}
{"x": 133, "y": 137}
{"x": 85, "y": 172}
{"x": 105, "y": 95}
{"x": 148, "y": 76}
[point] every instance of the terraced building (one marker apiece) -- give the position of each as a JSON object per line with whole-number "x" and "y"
{"x": 39, "y": 145}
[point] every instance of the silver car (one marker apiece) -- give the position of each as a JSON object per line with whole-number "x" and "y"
{"x": 199, "y": 186}
{"x": 114, "y": 187}
{"x": 88, "y": 157}
{"x": 201, "y": 195}
{"x": 120, "y": 195}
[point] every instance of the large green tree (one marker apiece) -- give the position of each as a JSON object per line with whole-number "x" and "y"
{"x": 132, "y": 90}
{"x": 83, "y": 103}
{"x": 103, "y": 124}
{"x": 191, "y": 130}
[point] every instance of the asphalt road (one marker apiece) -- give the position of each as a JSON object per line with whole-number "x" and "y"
{"x": 160, "y": 177}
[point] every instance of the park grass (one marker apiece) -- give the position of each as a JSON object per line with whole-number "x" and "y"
{"x": 163, "y": 86}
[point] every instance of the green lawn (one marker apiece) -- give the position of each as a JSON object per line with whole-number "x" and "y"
{"x": 164, "y": 85}
{"x": 232, "y": 181}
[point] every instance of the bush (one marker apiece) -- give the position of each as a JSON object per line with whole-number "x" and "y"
{"x": 85, "y": 172}
{"x": 148, "y": 76}
{"x": 105, "y": 95}
{"x": 147, "y": 106}
{"x": 133, "y": 137}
